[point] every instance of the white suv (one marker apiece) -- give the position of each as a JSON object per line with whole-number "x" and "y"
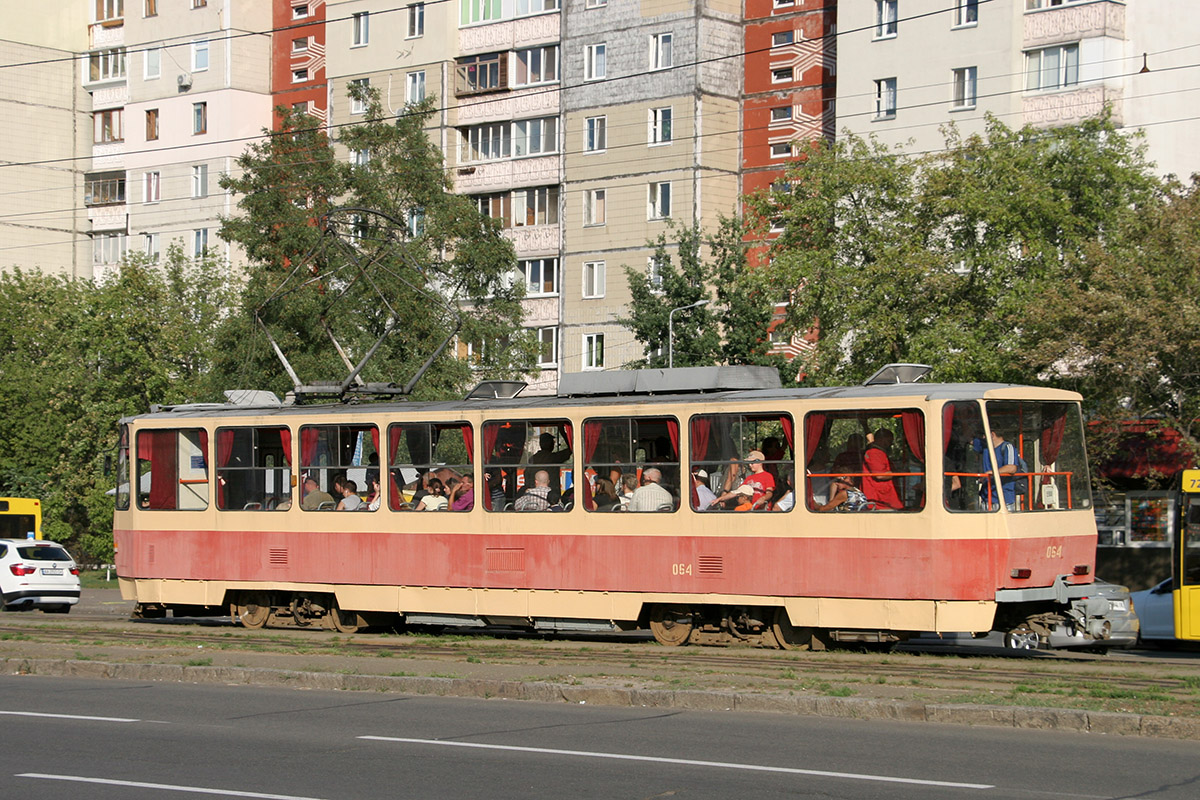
{"x": 37, "y": 574}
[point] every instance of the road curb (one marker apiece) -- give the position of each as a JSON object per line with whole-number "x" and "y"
{"x": 1079, "y": 721}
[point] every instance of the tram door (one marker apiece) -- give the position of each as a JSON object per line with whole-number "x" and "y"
{"x": 1187, "y": 561}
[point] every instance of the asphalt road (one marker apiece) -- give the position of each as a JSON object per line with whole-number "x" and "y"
{"x": 66, "y": 738}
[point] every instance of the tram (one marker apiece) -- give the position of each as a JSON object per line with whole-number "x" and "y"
{"x": 232, "y": 508}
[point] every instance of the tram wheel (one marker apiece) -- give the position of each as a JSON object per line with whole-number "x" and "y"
{"x": 1022, "y": 638}
{"x": 344, "y": 621}
{"x": 789, "y": 637}
{"x": 671, "y": 625}
{"x": 254, "y": 610}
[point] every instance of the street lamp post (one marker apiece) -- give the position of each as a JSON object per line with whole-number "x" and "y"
{"x": 671, "y": 330}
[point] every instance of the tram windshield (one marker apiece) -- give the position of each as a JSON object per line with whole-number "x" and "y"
{"x": 1035, "y": 448}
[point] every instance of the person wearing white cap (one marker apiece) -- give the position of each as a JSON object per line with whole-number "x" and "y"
{"x": 704, "y": 495}
{"x": 759, "y": 483}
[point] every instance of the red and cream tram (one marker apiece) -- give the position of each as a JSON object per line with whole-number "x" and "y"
{"x": 216, "y": 511}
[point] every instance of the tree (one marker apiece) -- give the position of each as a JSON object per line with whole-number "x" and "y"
{"x": 730, "y": 329}
{"x": 406, "y": 255}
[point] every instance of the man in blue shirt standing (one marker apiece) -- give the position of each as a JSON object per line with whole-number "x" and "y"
{"x": 1006, "y": 459}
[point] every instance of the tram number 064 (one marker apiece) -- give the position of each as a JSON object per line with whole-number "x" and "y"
{"x": 681, "y": 569}
{"x": 1054, "y": 551}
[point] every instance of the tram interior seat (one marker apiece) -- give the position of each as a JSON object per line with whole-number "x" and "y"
{"x": 252, "y": 507}
{"x": 328, "y": 505}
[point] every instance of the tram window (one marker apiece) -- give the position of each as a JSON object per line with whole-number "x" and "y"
{"x": 869, "y": 460}
{"x": 1047, "y": 438}
{"x": 748, "y": 460}
{"x": 335, "y": 457}
{"x": 123, "y": 469}
{"x": 430, "y": 467}
{"x": 515, "y": 452}
{"x": 254, "y": 469}
{"x": 172, "y": 469}
{"x": 622, "y": 449}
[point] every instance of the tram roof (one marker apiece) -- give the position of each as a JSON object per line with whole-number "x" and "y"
{"x": 917, "y": 392}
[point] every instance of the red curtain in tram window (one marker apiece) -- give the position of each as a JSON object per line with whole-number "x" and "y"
{"x": 701, "y": 428}
{"x": 204, "y": 447}
{"x": 673, "y": 433}
{"x": 308, "y": 446}
{"x": 491, "y": 432}
{"x": 947, "y": 425}
{"x": 164, "y": 467}
{"x": 375, "y": 440}
{"x": 814, "y": 428}
{"x": 567, "y": 434}
{"x": 393, "y": 446}
{"x": 224, "y": 454}
{"x": 786, "y": 422}
{"x": 469, "y": 443}
{"x": 1052, "y": 439}
{"x": 285, "y": 440}
{"x": 591, "y": 439}
{"x": 914, "y": 432}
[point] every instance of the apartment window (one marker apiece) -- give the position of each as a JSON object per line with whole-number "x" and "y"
{"x": 595, "y": 3}
{"x": 110, "y": 10}
{"x": 886, "y": 16}
{"x": 595, "y": 136}
{"x": 782, "y": 38}
{"x": 547, "y": 346}
{"x": 540, "y": 275}
{"x": 784, "y": 3}
{"x": 416, "y": 222}
{"x": 659, "y": 126}
{"x": 199, "y": 242}
{"x": 593, "y": 351}
{"x": 495, "y": 206}
{"x": 360, "y": 158}
{"x": 1032, "y": 5}
{"x": 486, "y": 142}
{"x": 107, "y": 126}
{"x": 593, "y": 62}
{"x": 199, "y": 55}
{"x": 661, "y": 56}
{"x": 108, "y": 248}
{"x": 415, "y": 91}
{"x": 1052, "y": 67}
{"x": 527, "y": 7}
{"x": 151, "y": 124}
{"x": 654, "y": 274}
{"x": 472, "y": 11}
{"x": 358, "y": 99}
{"x": 200, "y": 180}
{"x": 300, "y": 45}
{"x": 595, "y": 210}
{"x": 361, "y": 23}
{"x": 482, "y": 73}
{"x": 416, "y": 20}
{"x": 150, "y": 246}
{"x": 964, "y": 88}
{"x": 299, "y": 75}
{"x": 300, "y": 108}
{"x": 533, "y": 137}
{"x": 783, "y": 150}
{"x": 106, "y": 65}
{"x": 152, "y": 188}
{"x": 781, "y": 114}
{"x": 199, "y": 118}
{"x": 885, "y": 98}
{"x": 660, "y": 201}
{"x": 782, "y": 75}
{"x": 966, "y": 12}
{"x": 199, "y": 3}
{"x": 536, "y": 65}
{"x": 299, "y": 12}
{"x": 104, "y": 189}
{"x": 152, "y": 63}
{"x": 537, "y": 206}
{"x": 593, "y": 279}
{"x": 150, "y": 8}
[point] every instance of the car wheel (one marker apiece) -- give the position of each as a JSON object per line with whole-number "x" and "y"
{"x": 1021, "y": 639}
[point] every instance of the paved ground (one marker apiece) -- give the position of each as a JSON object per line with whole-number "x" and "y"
{"x": 1084, "y": 694}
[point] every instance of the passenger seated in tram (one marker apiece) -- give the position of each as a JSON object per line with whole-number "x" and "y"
{"x": 845, "y": 496}
{"x": 376, "y": 498}
{"x": 536, "y": 497}
{"x": 314, "y": 498}
{"x": 629, "y": 485}
{"x": 350, "y": 500}
{"x": 850, "y": 460}
{"x": 760, "y": 482}
{"x": 879, "y": 485}
{"x": 546, "y": 454}
{"x": 605, "y": 496}
{"x": 651, "y": 496}
{"x": 704, "y": 495}
{"x": 462, "y": 495}
{"x": 788, "y": 500}
{"x": 433, "y": 499}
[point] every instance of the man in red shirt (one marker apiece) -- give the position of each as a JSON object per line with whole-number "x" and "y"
{"x": 879, "y": 486}
{"x": 761, "y": 482}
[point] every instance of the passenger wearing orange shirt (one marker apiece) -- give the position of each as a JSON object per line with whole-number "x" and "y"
{"x": 879, "y": 486}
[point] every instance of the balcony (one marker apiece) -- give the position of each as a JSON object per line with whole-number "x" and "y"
{"x": 1071, "y": 106}
{"x": 1074, "y": 22}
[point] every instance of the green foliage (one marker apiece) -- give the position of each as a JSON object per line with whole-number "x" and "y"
{"x": 404, "y": 254}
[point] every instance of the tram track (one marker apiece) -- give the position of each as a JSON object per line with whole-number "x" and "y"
{"x": 644, "y": 656}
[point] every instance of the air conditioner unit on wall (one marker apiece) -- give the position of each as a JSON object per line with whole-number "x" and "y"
{"x": 184, "y": 80}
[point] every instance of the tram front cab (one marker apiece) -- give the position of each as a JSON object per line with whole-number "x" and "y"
{"x": 1187, "y": 561}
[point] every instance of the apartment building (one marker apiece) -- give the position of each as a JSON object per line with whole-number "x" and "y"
{"x": 908, "y": 67}
{"x": 298, "y": 57}
{"x": 43, "y": 224}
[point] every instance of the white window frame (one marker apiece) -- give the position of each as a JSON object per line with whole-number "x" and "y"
{"x": 964, "y": 88}
{"x": 595, "y": 134}
{"x": 660, "y": 126}
{"x": 111, "y": 9}
{"x": 416, "y": 21}
{"x": 885, "y": 98}
{"x": 150, "y": 246}
{"x": 300, "y": 44}
{"x": 595, "y": 3}
{"x": 593, "y": 351}
{"x": 1066, "y": 70}
{"x": 200, "y": 55}
{"x": 108, "y": 248}
{"x": 199, "y": 242}
{"x": 109, "y": 64}
{"x": 593, "y": 280}
{"x": 966, "y": 13}
{"x": 529, "y": 268}
{"x": 654, "y": 275}
{"x": 887, "y": 19}
{"x": 781, "y": 114}
{"x": 540, "y": 66}
{"x": 547, "y": 336}
{"x": 358, "y": 105}
{"x": 414, "y": 90}
{"x": 527, "y": 8}
{"x": 199, "y": 181}
{"x": 300, "y": 75}
{"x": 595, "y": 66}
{"x": 781, "y": 150}
{"x": 416, "y": 222}
{"x": 783, "y": 75}
{"x": 595, "y": 207}
{"x": 538, "y": 202}
{"x": 360, "y": 29}
{"x": 658, "y": 202}
{"x": 662, "y": 55}
{"x": 151, "y": 187}
{"x": 488, "y": 142}
{"x": 360, "y": 158}
{"x": 300, "y": 12}
{"x": 152, "y": 63}
{"x": 199, "y": 118}
{"x": 783, "y": 38}
{"x": 534, "y": 137}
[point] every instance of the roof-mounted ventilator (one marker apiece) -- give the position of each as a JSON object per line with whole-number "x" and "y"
{"x": 898, "y": 373}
